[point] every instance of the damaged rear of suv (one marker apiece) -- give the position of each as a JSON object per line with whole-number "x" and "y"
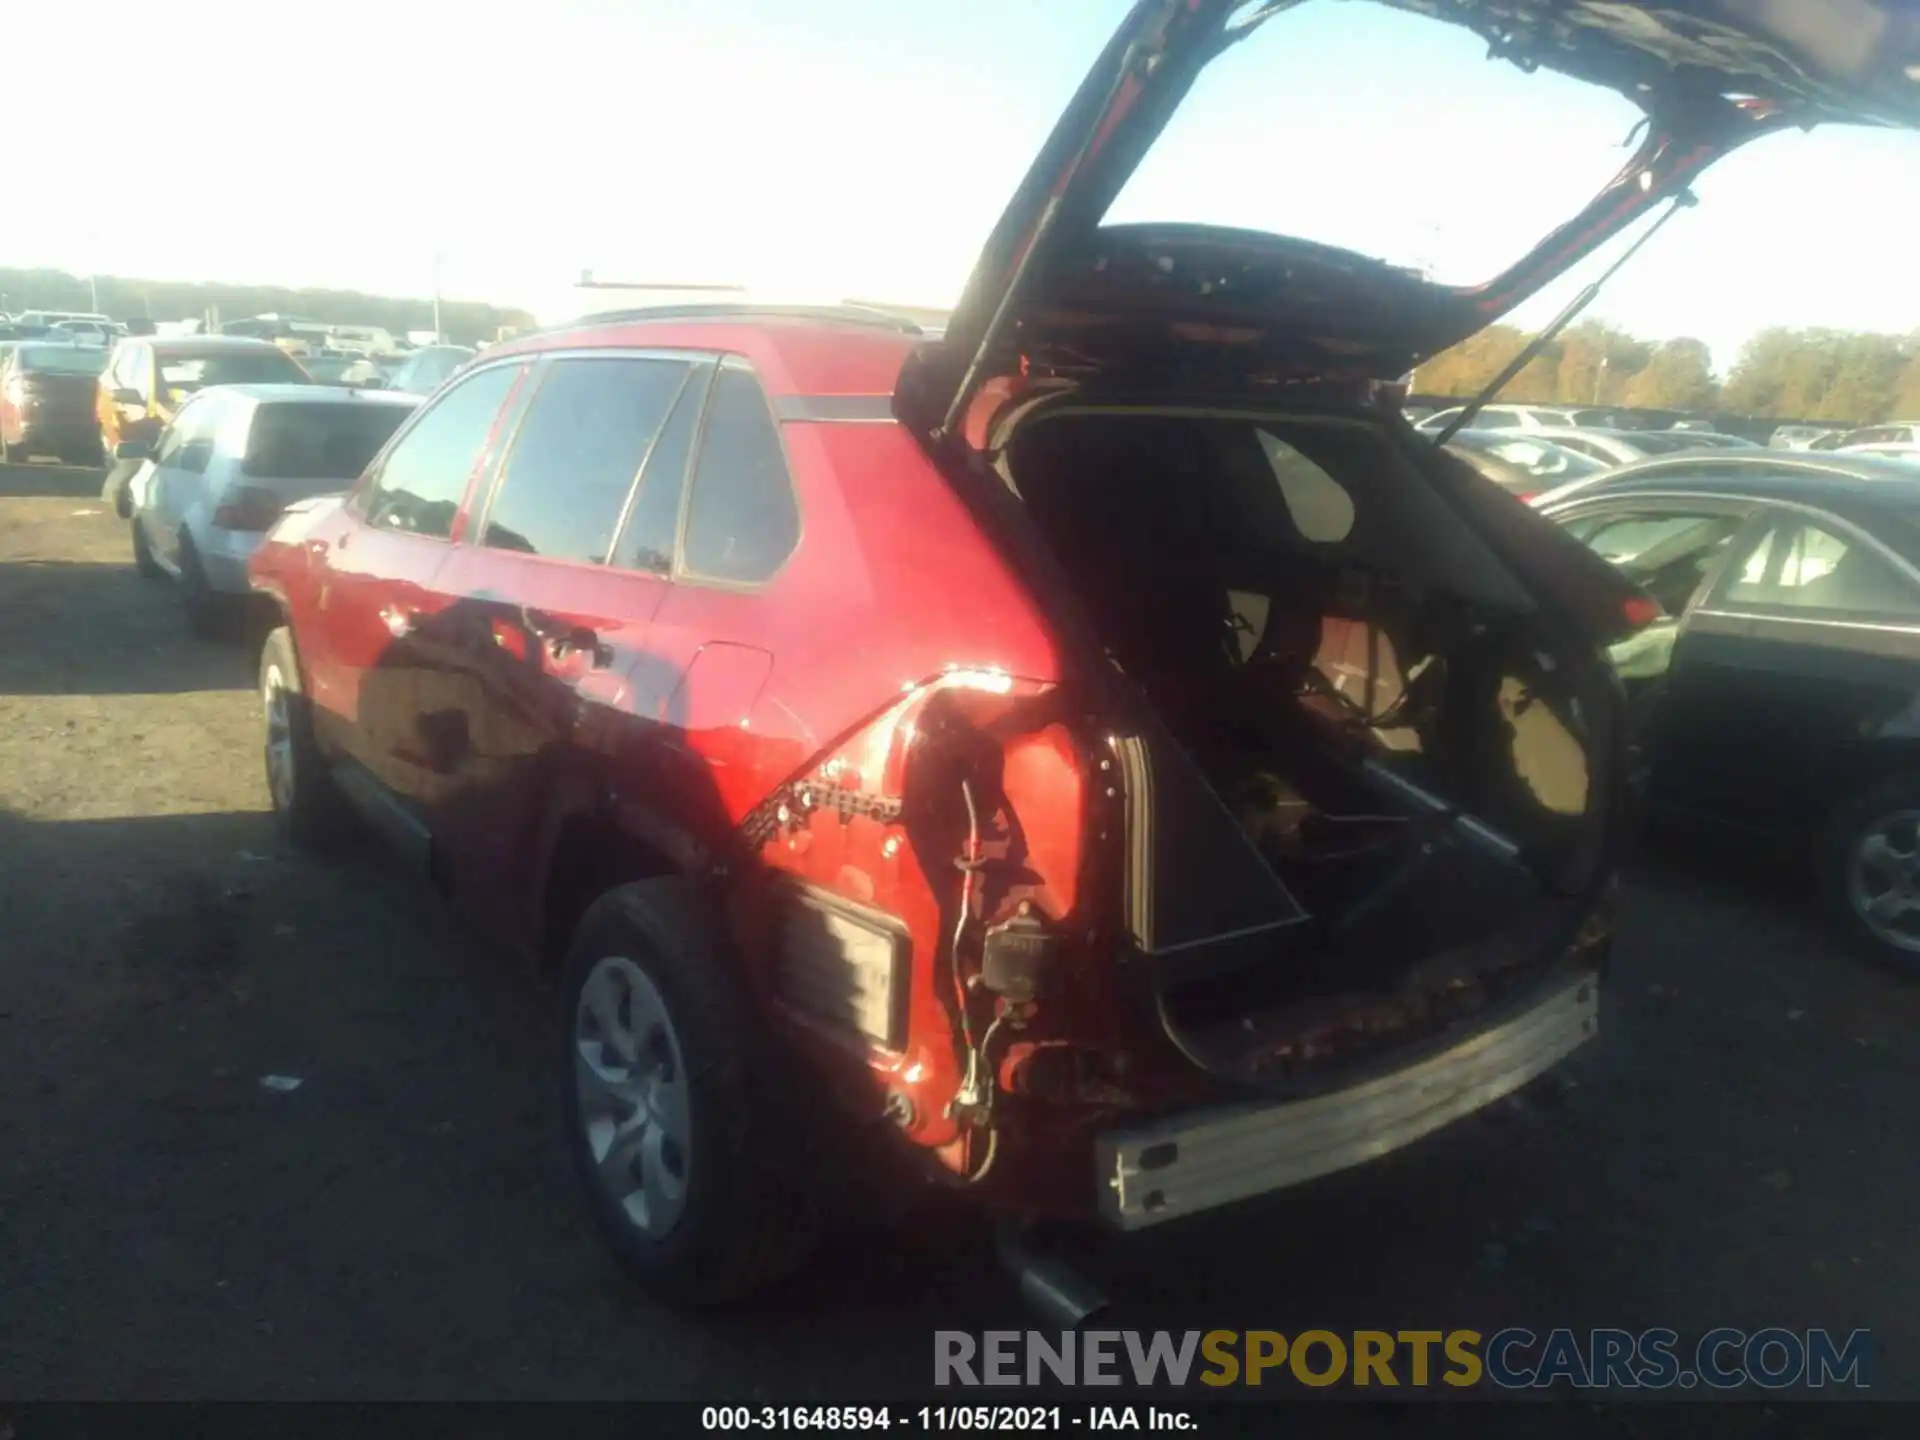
{"x": 1355, "y": 756}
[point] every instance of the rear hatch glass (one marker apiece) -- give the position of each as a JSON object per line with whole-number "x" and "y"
{"x": 83, "y": 360}
{"x": 317, "y": 446}
{"x": 184, "y": 374}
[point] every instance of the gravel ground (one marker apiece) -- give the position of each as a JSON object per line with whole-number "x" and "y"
{"x": 1737, "y": 1151}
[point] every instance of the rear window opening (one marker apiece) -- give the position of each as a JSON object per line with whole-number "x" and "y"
{"x": 1370, "y": 699}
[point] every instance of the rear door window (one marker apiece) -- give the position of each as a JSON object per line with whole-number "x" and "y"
{"x": 742, "y": 518}
{"x": 653, "y": 519}
{"x": 1668, "y": 551}
{"x": 579, "y": 448}
{"x": 1803, "y": 569}
{"x": 424, "y": 477}
{"x": 189, "y": 441}
{"x": 167, "y": 453}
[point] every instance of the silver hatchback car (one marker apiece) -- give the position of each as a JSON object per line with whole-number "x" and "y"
{"x": 234, "y": 457}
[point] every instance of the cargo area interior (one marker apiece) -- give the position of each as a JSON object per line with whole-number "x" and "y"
{"x": 1357, "y": 678}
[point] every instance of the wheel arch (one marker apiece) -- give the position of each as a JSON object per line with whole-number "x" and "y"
{"x": 590, "y": 845}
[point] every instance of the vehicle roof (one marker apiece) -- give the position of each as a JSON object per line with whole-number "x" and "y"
{"x": 313, "y": 394}
{"x": 1603, "y": 431}
{"x": 1507, "y": 435}
{"x": 1848, "y": 484}
{"x": 795, "y": 354}
{"x": 202, "y": 344}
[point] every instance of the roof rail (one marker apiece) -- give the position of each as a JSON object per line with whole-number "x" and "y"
{"x": 832, "y": 314}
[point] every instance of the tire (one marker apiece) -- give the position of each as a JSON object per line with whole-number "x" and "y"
{"x": 306, "y": 804}
{"x": 709, "y": 1206}
{"x": 1850, "y": 880}
{"x": 144, "y": 565}
{"x": 210, "y": 615}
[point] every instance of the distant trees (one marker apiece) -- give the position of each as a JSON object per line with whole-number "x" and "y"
{"x": 466, "y": 321}
{"x": 1848, "y": 377}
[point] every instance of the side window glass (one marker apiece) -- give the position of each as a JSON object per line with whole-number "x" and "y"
{"x": 175, "y": 435}
{"x": 1803, "y": 569}
{"x": 424, "y": 478}
{"x": 574, "y": 460}
{"x": 130, "y": 372}
{"x": 1494, "y": 420}
{"x": 1668, "y": 554}
{"x": 742, "y": 518}
{"x": 197, "y": 438}
{"x": 654, "y": 520}
{"x": 1321, "y": 508}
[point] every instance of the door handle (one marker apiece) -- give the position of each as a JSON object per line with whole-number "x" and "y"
{"x": 563, "y": 638}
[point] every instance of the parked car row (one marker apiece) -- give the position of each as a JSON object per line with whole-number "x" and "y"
{"x": 1602, "y": 433}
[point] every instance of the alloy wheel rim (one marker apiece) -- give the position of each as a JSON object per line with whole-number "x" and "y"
{"x": 1883, "y": 879}
{"x": 631, "y": 1084}
{"x": 273, "y": 696}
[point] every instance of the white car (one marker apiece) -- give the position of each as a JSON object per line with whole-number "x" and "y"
{"x": 234, "y": 457}
{"x": 1893, "y": 450}
{"x": 1898, "y": 432}
{"x": 1503, "y": 417}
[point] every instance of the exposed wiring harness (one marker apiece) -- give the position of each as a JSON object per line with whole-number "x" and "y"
{"x": 977, "y": 1088}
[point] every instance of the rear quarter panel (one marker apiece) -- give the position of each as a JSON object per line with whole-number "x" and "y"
{"x": 895, "y": 610}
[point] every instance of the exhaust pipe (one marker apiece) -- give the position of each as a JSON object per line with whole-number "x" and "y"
{"x": 1056, "y": 1289}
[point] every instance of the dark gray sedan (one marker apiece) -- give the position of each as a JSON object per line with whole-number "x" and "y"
{"x": 1777, "y": 698}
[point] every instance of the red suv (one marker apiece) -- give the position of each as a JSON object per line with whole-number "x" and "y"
{"x": 1104, "y": 757}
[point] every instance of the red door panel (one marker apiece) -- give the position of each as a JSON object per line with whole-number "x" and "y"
{"x": 374, "y": 608}
{"x": 538, "y": 667}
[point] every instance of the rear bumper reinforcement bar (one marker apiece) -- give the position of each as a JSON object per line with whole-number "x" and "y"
{"x": 1187, "y": 1163}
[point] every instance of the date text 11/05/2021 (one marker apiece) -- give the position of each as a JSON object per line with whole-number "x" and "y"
{"x": 942, "y": 1419}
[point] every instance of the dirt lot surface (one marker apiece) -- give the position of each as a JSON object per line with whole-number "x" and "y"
{"x": 1738, "y": 1150}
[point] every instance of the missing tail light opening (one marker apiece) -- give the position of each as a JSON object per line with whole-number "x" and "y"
{"x": 844, "y": 966}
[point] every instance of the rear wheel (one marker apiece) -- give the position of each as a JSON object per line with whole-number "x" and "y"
{"x": 669, "y": 1106}
{"x": 1870, "y": 871}
{"x": 144, "y": 565}
{"x": 306, "y": 803}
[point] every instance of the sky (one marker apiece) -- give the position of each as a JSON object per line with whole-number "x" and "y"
{"x": 858, "y": 148}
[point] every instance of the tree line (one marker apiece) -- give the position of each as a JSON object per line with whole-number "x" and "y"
{"x": 464, "y": 321}
{"x": 1845, "y": 376}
